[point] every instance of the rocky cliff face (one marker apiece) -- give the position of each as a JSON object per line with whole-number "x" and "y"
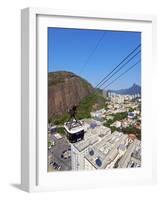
{"x": 65, "y": 89}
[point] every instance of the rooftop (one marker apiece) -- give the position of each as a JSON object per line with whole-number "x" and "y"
{"x": 105, "y": 151}
{"x": 92, "y": 136}
{"x": 132, "y": 156}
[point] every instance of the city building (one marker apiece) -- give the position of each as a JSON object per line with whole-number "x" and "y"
{"x": 131, "y": 115}
{"x": 98, "y": 115}
{"x": 132, "y": 157}
{"x": 99, "y": 150}
{"x": 105, "y": 153}
{"x": 81, "y": 148}
{"x": 104, "y": 92}
{"x": 109, "y": 117}
{"x": 116, "y": 124}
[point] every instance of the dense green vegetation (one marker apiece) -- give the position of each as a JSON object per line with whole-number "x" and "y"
{"x": 131, "y": 109}
{"x": 120, "y": 116}
{"x": 108, "y": 122}
{"x": 59, "y": 120}
{"x": 49, "y": 143}
{"x": 113, "y": 128}
{"x": 90, "y": 103}
{"x": 60, "y": 130}
{"x": 116, "y": 117}
{"x": 127, "y": 130}
{"x": 132, "y": 130}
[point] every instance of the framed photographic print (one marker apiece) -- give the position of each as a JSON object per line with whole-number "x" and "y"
{"x": 87, "y": 109}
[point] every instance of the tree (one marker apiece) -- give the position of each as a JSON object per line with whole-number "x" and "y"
{"x": 131, "y": 109}
{"x": 113, "y": 128}
{"x": 60, "y": 130}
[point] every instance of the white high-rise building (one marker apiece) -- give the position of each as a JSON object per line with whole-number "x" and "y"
{"x": 104, "y": 93}
{"x": 105, "y": 154}
{"x": 102, "y": 150}
{"x": 81, "y": 148}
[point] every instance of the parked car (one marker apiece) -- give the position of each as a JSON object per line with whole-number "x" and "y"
{"x": 56, "y": 166}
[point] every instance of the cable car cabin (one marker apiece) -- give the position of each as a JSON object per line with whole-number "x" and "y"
{"x": 74, "y": 131}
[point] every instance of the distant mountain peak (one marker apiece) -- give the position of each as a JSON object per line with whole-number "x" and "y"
{"x": 134, "y": 89}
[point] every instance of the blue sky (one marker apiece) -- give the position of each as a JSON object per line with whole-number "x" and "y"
{"x": 75, "y": 50}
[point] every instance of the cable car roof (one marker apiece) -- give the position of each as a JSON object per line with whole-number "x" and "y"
{"x": 75, "y": 127}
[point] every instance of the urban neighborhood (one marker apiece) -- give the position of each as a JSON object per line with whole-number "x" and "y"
{"x": 110, "y": 138}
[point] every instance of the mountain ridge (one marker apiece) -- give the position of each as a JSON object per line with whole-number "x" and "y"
{"x": 134, "y": 89}
{"x": 65, "y": 89}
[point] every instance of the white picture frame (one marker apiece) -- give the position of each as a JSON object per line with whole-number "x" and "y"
{"x": 33, "y": 176}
